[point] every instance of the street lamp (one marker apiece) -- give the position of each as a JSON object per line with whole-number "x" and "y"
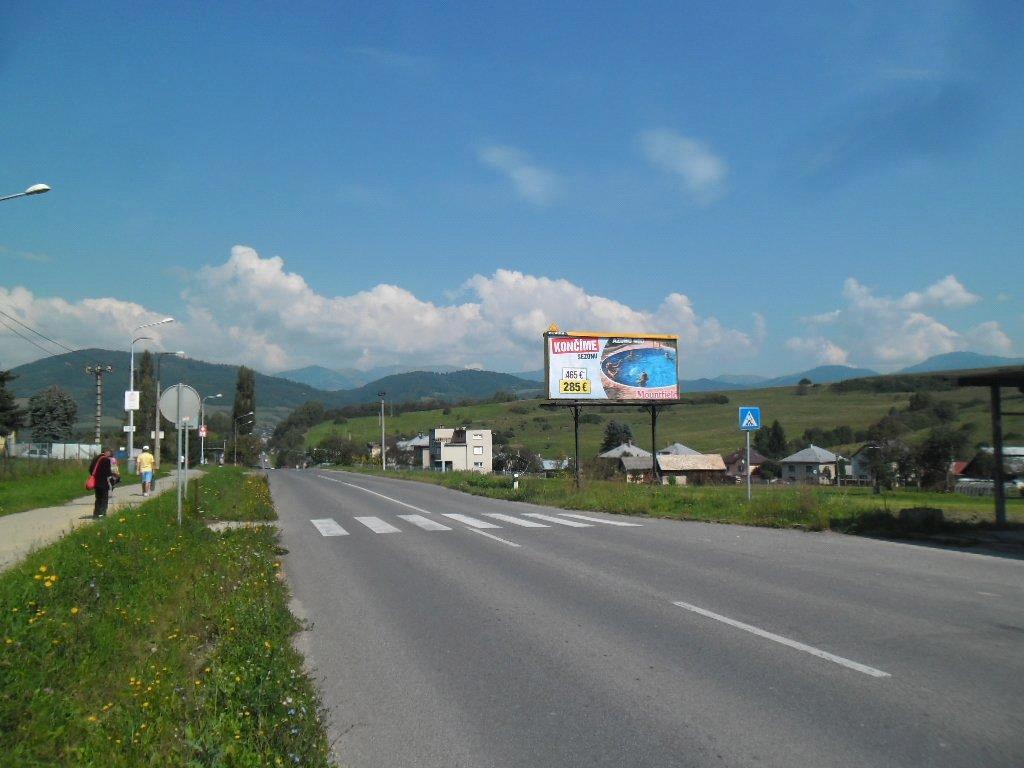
{"x": 202, "y": 425}
{"x": 156, "y": 419}
{"x": 131, "y": 386}
{"x": 35, "y": 189}
{"x": 383, "y": 448}
{"x": 235, "y": 433}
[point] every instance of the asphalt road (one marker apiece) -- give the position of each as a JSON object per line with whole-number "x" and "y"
{"x": 658, "y": 644}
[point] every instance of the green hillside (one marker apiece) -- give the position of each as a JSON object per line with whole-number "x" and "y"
{"x": 710, "y": 428}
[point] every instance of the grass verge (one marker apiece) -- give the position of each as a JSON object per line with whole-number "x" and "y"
{"x": 135, "y": 642}
{"x": 34, "y": 483}
{"x": 850, "y": 510}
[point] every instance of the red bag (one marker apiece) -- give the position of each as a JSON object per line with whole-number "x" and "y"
{"x": 90, "y": 482}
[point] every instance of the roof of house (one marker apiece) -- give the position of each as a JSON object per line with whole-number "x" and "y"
{"x": 741, "y": 455}
{"x": 420, "y": 441}
{"x": 812, "y": 454}
{"x": 636, "y": 463}
{"x": 708, "y": 462}
{"x": 678, "y": 449}
{"x": 626, "y": 449}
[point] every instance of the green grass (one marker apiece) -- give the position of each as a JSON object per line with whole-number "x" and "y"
{"x": 708, "y": 428}
{"x": 219, "y": 497}
{"x": 850, "y": 510}
{"x": 34, "y": 483}
{"x": 135, "y": 642}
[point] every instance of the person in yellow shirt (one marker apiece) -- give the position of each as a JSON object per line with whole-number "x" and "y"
{"x": 145, "y": 463}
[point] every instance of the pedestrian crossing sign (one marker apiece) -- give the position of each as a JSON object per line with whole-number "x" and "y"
{"x": 750, "y": 418}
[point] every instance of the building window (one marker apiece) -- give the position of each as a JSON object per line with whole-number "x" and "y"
{"x": 479, "y": 464}
{"x": 478, "y": 450}
{"x": 478, "y": 436}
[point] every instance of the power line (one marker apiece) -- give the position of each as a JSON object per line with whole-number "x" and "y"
{"x": 37, "y": 333}
{"x": 30, "y": 340}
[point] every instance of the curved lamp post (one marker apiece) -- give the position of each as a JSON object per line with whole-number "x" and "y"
{"x": 35, "y": 189}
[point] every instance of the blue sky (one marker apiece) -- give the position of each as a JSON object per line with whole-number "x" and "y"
{"x": 782, "y": 185}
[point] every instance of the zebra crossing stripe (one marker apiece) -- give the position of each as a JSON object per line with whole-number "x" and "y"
{"x": 515, "y": 520}
{"x": 560, "y": 521}
{"x": 328, "y": 526}
{"x": 472, "y": 522}
{"x": 377, "y": 525}
{"x": 599, "y": 520}
{"x": 425, "y": 523}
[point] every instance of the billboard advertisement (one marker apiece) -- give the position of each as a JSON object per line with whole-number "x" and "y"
{"x": 626, "y": 368}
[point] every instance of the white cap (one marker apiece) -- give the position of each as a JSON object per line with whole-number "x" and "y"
{"x": 145, "y": 447}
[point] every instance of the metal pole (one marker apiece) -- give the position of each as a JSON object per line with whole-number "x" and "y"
{"x": 202, "y": 437}
{"x": 234, "y": 433}
{"x": 185, "y": 462}
{"x": 177, "y": 458}
{"x": 156, "y": 419}
{"x": 576, "y": 434}
{"x": 99, "y": 404}
{"x": 997, "y": 451}
{"x": 383, "y": 448}
{"x": 654, "y": 445}
{"x": 131, "y": 413}
{"x": 748, "y": 465}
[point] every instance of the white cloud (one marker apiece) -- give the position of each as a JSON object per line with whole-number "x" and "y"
{"x": 252, "y": 310}
{"x": 702, "y": 172}
{"x": 532, "y": 183}
{"x": 892, "y": 332}
{"x": 822, "y": 350}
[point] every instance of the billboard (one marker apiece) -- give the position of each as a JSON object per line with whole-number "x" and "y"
{"x": 607, "y": 367}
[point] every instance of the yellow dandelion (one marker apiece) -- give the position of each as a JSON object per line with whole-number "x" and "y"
{"x": 74, "y": 610}
{"x": 42, "y": 569}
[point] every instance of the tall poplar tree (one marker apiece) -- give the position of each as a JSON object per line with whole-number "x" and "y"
{"x": 145, "y": 383}
{"x": 11, "y": 416}
{"x": 245, "y": 399}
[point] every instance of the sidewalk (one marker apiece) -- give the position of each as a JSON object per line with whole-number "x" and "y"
{"x": 23, "y": 532}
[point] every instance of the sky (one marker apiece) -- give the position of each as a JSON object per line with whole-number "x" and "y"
{"x": 353, "y": 185}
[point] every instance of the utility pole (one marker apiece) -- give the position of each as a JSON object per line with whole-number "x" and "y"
{"x": 383, "y": 448}
{"x": 98, "y": 371}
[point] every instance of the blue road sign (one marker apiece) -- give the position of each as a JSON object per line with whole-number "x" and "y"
{"x": 750, "y": 418}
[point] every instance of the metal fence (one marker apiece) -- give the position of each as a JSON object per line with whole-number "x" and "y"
{"x": 58, "y": 451}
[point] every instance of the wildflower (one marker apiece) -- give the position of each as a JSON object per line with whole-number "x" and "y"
{"x": 42, "y": 569}
{"x": 74, "y": 610}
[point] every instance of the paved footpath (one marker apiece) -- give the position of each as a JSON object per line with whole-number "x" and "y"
{"x": 26, "y": 531}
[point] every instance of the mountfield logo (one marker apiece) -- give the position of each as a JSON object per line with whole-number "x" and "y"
{"x": 572, "y": 346}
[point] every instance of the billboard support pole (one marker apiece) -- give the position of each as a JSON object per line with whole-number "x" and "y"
{"x": 576, "y": 433}
{"x": 654, "y": 444}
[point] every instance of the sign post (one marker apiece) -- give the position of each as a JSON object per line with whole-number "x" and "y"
{"x": 180, "y": 405}
{"x": 750, "y": 421}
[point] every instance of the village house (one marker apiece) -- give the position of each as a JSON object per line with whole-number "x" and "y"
{"x": 736, "y": 462}
{"x": 690, "y": 469}
{"x": 678, "y": 449}
{"x": 452, "y": 450}
{"x": 626, "y": 449}
{"x": 811, "y": 465}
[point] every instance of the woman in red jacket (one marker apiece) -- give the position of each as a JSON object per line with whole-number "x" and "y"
{"x": 102, "y": 468}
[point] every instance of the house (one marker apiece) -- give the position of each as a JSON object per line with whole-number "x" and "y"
{"x": 452, "y": 450}
{"x": 736, "y": 462}
{"x": 983, "y": 463}
{"x": 419, "y": 442}
{"x": 699, "y": 469}
{"x": 636, "y": 468}
{"x": 811, "y": 465}
{"x": 552, "y": 466}
{"x": 678, "y": 449}
{"x": 626, "y": 449}
{"x": 690, "y": 469}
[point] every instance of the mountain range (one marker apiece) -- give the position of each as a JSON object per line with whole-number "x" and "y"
{"x": 444, "y": 383}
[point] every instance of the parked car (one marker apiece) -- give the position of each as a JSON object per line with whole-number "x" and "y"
{"x": 36, "y": 453}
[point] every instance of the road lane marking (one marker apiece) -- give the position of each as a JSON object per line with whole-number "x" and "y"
{"x": 515, "y": 520}
{"x": 560, "y": 521}
{"x": 425, "y": 523}
{"x": 377, "y": 525}
{"x": 471, "y": 521}
{"x": 786, "y": 641}
{"x": 492, "y": 536}
{"x": 328, "y": 526}
{"x": 396, "y": 501}
{"x": 599, "y": 520}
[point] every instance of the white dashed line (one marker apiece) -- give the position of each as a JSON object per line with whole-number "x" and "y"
{"x": 786, "y": 641}
{"x": 601, "y": 520}
{"x": 377, "y": 525}
{"x": 470, "y": 521}
{"x": 425, "y": 523}
{"x": 328, "y": 526}
{"x": 515, "y": 520}
{"x": 558, "y": 520}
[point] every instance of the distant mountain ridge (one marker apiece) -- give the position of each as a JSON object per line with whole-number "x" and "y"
{"x": 960, "y": 361}
{"x": 333, "y": 379}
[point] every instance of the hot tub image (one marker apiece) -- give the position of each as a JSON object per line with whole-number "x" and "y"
{"x": 639, "y": 371}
